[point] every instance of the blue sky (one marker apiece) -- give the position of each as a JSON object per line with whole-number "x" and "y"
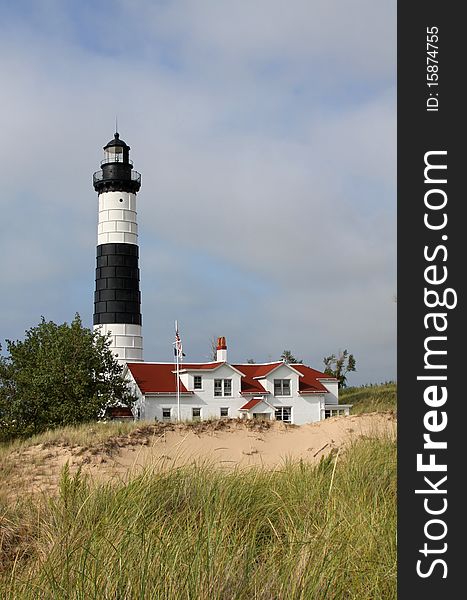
{"x": 265, "y": 134}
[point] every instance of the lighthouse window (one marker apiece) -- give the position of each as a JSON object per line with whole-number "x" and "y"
{"x": 121, "y": 199}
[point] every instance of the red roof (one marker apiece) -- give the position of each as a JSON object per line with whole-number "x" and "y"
{"x": 250, "y": 385}
{"x": 192, "y": 366}
{"x": 309, "y": 382}
{"x": 160, "y": 377}
{"x": 254, "y": 370}
{"x": 155, "y": 377}
{"x": 251, "y": 404}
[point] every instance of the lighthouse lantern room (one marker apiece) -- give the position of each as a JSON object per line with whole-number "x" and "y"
{"x": 117, "y": 297}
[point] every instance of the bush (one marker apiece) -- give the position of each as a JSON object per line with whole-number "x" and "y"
{"x": 59, "y": 375}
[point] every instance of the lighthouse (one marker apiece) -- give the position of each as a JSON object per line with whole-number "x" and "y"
{"x": 117, "y": 297}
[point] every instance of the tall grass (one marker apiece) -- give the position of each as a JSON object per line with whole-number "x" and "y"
{"x": 300, "y": 532}
{"x": 370, "y": 398}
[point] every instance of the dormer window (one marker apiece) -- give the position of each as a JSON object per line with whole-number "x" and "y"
{"x": 281, "y": 387}
{"x": 222, "y": 387}
{"x": 197, "y": 382}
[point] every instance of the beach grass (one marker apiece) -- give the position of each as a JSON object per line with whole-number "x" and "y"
{"x": 296, "y": 532}
{"x": 370, "y": 398}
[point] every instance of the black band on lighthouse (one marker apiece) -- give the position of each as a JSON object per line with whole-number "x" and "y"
{"x": 117, "y": 298}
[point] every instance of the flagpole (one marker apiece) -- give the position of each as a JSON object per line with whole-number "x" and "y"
{"x": 178, "y": 374}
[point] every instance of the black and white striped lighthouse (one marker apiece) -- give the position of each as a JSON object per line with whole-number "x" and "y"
{"x": 117, "y": 299}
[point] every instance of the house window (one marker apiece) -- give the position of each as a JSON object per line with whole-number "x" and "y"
{"x": 222, "y": 387}
{"x": 197, "y": 382}
{"x": 284, "y": 413}
{"x": 224, "y": 411}
{"x": 166, "y": 413}
{"x": 261, "y": 416}
{"x": 281, "y": 387}
{"x": 196, "y": 414}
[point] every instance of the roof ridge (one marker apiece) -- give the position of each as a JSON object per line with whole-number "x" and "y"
{"x": 275, "y": 362}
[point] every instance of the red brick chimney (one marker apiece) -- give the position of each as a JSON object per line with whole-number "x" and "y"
{"x": 221, "y": 350}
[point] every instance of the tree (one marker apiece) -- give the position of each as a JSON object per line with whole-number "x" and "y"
{"x": 339, "y": 366}
{"x": 59, "y": 375}
{"x": 213, "y": 353}
{"x": 289, "y": 358}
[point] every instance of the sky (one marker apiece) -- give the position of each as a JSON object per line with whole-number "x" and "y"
{"x": 265, "y": 133}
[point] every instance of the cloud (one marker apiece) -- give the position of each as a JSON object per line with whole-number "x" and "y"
{"x": 357, "y": 38}
{"x": 266, "y": 142}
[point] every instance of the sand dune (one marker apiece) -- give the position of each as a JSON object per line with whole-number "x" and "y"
{"x": 222, "y": 444}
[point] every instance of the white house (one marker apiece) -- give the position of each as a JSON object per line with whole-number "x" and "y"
{"x": 293, "y": 393}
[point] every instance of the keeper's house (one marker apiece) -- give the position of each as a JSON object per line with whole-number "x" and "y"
{"x": 293, "y": 393}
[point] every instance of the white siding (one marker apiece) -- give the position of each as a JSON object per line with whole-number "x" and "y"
{"x": 305, "y": 408}
{"x": 333, "y": 388}
{"x": 209, "y": 409}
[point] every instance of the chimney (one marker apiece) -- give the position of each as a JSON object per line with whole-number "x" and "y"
{"x": 221, "y": 350}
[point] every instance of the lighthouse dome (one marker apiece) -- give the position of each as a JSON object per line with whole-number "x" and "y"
{"x": 115, "y": 143}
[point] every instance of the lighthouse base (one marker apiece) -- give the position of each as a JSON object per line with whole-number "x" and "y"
{"x": 126, "y": 341}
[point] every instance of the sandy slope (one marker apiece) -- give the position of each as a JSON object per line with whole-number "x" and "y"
{"x": 228, "y": 445}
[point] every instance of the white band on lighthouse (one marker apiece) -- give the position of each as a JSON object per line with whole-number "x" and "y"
{"x": 126, "y": 341}
{"x": 117, "y": 218}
